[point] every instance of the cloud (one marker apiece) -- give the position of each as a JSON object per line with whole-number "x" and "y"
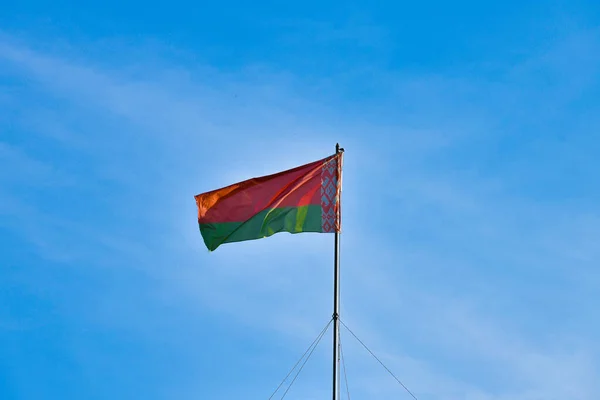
{"x": 448, "y": 251}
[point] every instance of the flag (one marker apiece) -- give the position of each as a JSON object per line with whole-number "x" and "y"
{"x": 302, "y": 199}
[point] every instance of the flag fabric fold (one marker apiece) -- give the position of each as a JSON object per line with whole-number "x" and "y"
{"x": 302, "y": 199}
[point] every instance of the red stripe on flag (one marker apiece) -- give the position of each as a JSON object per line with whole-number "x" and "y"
{"x": 296, "y": 187}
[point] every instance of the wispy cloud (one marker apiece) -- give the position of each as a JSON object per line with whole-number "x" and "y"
{"x": 475, "y": 254}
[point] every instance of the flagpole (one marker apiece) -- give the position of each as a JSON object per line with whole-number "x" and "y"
{"x": 336, "y": 301}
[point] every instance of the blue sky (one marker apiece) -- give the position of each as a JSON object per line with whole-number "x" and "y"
{"x": 471, "y": 197}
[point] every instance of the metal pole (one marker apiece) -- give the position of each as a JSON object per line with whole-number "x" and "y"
{"x": 336, "y": 303}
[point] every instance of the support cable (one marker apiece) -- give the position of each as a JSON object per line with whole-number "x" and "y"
{"x": 344, "y": 368}
{"x": 380, "y": 362}
{"x": 308, "y": 351}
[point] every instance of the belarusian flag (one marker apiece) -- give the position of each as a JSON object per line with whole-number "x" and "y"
{"x": 303, "y": 199}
